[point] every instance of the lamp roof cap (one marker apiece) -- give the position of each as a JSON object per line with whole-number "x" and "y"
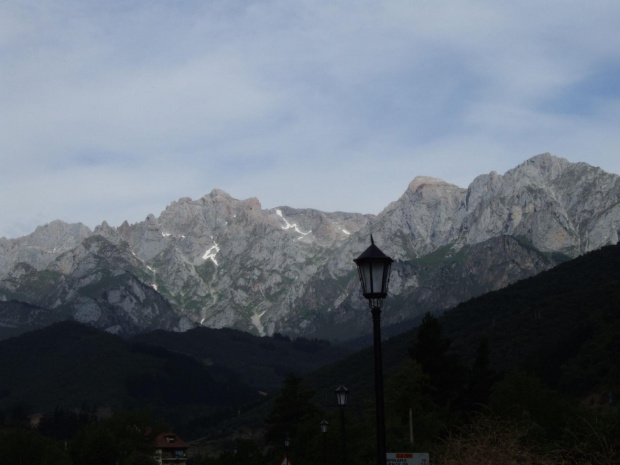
{"x": 373, "y": 252}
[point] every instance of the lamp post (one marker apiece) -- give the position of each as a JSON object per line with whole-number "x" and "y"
{"x": 374, "y": 271}
{"x": 287, "y": 442}
{"x": 324, "y": 425}
{"x": 342, "y": 396}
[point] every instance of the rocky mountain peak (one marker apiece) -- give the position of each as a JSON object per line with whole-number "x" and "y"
{"x": 104, "y": 229}
{"x": 225, "y": 262}
{"x": 543, "y": 168}
{"x": 419, "y": 182}
{"x": 219, "y": 194}
{"x": 49, "y": 235}
{"x": 220, "y": 197}
{"x": 43, "y": 245}
{"x": 482, "y": 187}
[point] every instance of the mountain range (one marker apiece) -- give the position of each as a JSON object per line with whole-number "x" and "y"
{"x": 222, "y": 262}
{"x": 560, "y": 326}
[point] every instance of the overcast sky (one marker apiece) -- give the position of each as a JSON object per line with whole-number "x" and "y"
{"x": 110, "y": 110}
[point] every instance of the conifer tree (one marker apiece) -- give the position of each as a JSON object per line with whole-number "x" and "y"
{"x": 291, "y": 407}
{"x": 431, "y": 351}
{"x": 481, "y": 377}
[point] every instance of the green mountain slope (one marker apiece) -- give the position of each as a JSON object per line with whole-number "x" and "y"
{"x": 262, "y": 362}
{"x": 562, "y": 325}
{"x": 71, "y": 365}
{"x": 193, "y": 380}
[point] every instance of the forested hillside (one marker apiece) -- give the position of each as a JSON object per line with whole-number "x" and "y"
{"x": 526, "y": 374}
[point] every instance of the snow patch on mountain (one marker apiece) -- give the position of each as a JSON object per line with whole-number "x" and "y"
{"x": 211, "y": 253}
{"x": 257, "y": 323}
{"x": 291, "y": 226}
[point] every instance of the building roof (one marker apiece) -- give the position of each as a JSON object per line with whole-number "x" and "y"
{"x": 169, "y": 441}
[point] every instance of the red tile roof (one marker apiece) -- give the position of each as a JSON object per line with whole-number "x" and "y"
{"x": 169, "y": 441}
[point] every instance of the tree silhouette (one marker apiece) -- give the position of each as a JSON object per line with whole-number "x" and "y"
{"x": 481, "y": 378}
{"x": 431, "y": 351}
{"x": 291, "y": 407}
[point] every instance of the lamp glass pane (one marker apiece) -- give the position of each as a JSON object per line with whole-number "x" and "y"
{"x": 386, "y": 277}
{"x": 364, "y": 269}
{"x": 377, "y": 277}
{"x": 342, "y": 395}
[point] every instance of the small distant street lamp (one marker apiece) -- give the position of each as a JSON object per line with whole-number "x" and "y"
{"x": 324, "y": 425}
{"x": 374, "y": 271}
{"x": 287, "y": 442}
{"x": 342, "y": 397}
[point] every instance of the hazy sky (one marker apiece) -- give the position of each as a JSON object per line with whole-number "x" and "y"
{"x": 110, "y": 110}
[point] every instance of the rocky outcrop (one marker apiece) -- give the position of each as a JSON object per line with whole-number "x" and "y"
{"x": 42, "y": 246}
{"x": 223, "y": 262}
{"x": 558, "y": 206}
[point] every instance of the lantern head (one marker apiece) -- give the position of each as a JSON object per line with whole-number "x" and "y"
{"x": 374, "y": 270}
{"x": 342, "y": 396}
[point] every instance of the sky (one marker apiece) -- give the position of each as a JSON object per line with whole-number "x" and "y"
{"x": 111, "y": 110}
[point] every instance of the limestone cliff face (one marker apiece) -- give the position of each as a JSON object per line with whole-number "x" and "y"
{"x": 42, "y": 246}
{"x": 223, "y": 262}
{"x": 557, "y": 205}
{"x": 427, "y": 216}
{"x": 539, "y": 200}
{"x": 96, "y": 283}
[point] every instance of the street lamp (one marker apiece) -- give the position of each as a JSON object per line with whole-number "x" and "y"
{"x": 324, "y": 425}
{"x": 374, "y": 271}
{"x": 342, "y": 396}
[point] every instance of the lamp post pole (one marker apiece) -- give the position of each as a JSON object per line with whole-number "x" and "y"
{"x": 324, "y": 425}
{"x": 376, "y": 326}
{"x": 287, "y": 442}
{"x": 374, "y": 271}
{"x": 342, "y": 396}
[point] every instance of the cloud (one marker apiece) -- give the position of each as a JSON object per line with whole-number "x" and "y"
{"x": 113, "y": 108}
